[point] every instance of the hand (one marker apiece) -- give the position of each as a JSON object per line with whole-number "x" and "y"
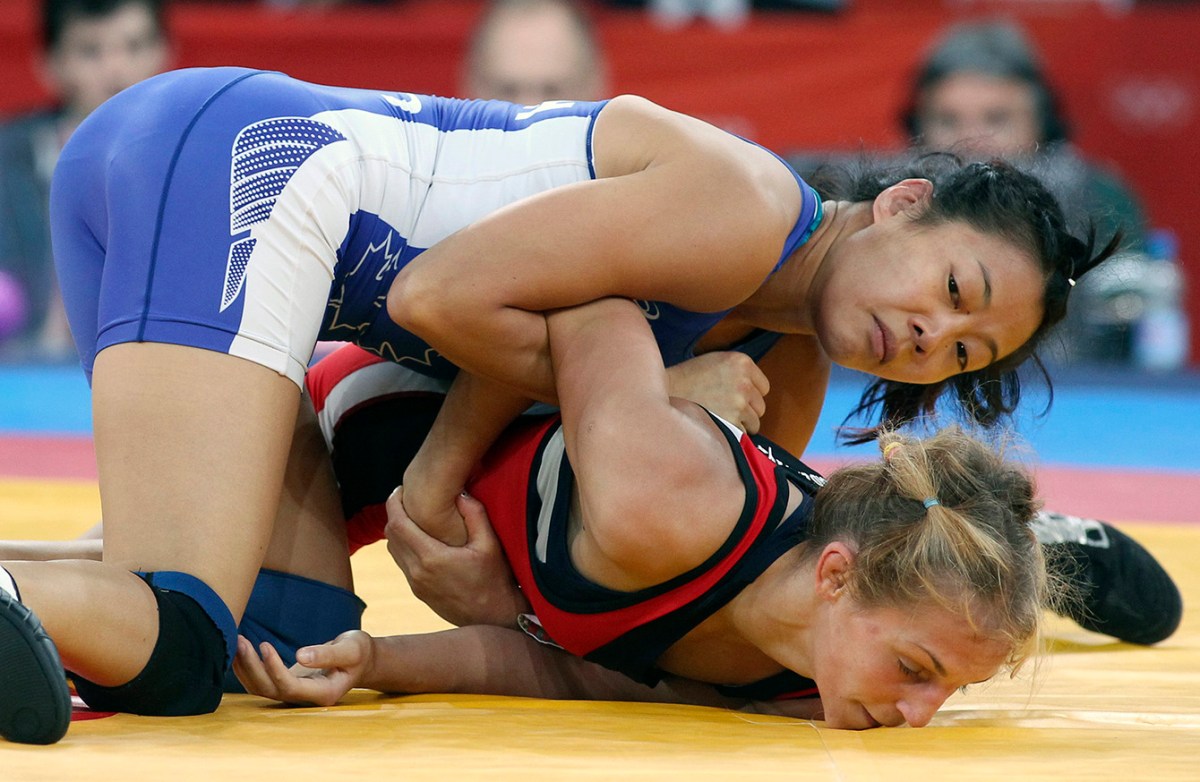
{"x": 328, "y": 671}
{"x": 430, "y": 500}
{"x": 468, "y": 584}
{"x": 726, "y": 383}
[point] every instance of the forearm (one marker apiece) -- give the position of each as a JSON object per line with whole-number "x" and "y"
{"x": 89, "y": 545}
{"x": 46, "y": 550}
{"x": 480, "y": 334}
{"x": 605, "y": 359}
{"x": 479, "y": 659}
{"x": 475, "y": 412}
{"x": 499, "y": 661}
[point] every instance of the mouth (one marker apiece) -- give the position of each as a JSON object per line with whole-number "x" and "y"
{"x": 871, "y": 721}
{"x": 883, "y": 343}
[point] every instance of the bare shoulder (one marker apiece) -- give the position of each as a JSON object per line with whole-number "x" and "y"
{"x": 634, "y": 133}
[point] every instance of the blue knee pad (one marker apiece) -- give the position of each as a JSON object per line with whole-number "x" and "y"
{"x": 291, "y": 611}
{"x": 197, "y": 638}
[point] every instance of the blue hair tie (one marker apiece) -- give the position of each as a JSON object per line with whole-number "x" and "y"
{"x": 929, "y": 502}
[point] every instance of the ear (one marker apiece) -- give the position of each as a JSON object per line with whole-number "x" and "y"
{"x": 833, "y": 570}
{"x": 904, "y": 196}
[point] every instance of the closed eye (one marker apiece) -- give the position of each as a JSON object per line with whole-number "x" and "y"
{"x": 910, "y": 673}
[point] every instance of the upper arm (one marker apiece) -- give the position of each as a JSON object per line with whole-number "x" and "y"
{"x": 798, "y": 371}
{"x": 658, "y": 486}
{"x": 657, "y": 501}
{"x": 685, "y": 213}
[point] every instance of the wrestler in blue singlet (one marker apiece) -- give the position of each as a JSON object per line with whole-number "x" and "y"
{"x": 253, "y": 214}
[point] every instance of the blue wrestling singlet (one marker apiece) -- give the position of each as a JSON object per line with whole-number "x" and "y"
{"x": 253, "y": 214}
{"x": 249, "y": 213}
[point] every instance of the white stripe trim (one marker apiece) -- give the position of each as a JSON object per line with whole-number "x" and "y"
{"x": 371, "y": 381}
{"x": 8, "y": 585}
{"x": 547, "y": 483}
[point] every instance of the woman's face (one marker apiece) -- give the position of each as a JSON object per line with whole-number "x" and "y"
{"x": 891, "y": 665}
{"x": 896, "y": 666}
{"x": 920, "y": 303}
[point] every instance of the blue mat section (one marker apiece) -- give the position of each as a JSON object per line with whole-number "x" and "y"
{"x": 1098, "y": 418}
{"x": 45, "y": 399}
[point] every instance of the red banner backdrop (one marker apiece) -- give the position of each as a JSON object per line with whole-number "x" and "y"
{"x": 1129, "y": 78}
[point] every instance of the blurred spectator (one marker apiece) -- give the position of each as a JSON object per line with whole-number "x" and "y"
{"x": 527, "y": 52}
{"x": 91, "y": 50}
{"x": 982, "y": 93}
{"x": 530, "y": 51}
{"x": 726, "y": 14}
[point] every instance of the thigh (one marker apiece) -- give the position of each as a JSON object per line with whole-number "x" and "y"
{"x": 309, "y": 534}
{"x": 191, "y": 447}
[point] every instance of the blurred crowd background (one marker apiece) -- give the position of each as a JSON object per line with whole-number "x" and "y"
{"x": 1102, "y": 97}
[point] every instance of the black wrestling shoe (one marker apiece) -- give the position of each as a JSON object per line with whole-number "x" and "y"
{"x": 35, "y": 704}
{"x": 1124, "y": 592}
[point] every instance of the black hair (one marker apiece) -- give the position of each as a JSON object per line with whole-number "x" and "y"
{"x": 998, "y": 199}
{"x": 57, "y": 15}
{"x": 997, "y": 49}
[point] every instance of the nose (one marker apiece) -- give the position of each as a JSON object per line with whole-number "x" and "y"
{"x": 920, "y": 704}
{"x": 929, "y": 333}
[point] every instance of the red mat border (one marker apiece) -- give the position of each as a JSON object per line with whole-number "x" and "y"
{"x": 1105, "y": 493}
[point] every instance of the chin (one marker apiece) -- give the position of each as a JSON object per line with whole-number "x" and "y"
{"x": 838, "y": 352}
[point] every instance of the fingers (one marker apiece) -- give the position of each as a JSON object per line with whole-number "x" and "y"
{"x": 402, "y": 528}
{"x": 298, "y": 685}
{"x": 480, "y": 534}
{"x": 342, "y": 652}
{"x": 250, "y": 671}
{"x": 757, "y": 404}
{"x": 760, "y": 380}
{"x": 394, "y": 505}
{"x": 744, "y": 367}
{"x": 750, "y": 422}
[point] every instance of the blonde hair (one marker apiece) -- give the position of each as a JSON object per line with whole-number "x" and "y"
{"x": 942, "y": 519}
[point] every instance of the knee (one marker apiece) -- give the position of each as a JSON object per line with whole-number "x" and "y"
{"x": 185, "y": 673}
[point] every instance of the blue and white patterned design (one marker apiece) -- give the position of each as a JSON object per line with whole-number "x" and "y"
{"x": 235, "y": 270}
{"x": 265, "y": 157}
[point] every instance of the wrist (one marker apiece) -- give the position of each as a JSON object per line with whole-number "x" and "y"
{"x": 430, "y": 486}
{"x": 369, "y": 678}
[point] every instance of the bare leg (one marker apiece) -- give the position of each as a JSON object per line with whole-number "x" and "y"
{"x": 191, "y": 447}
{"x": 309, "y": 537}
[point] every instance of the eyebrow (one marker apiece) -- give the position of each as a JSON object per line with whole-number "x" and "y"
{"x": 987, "y": 302}
{"x": 987, "y": 284}
{"x": 937, "y": 665}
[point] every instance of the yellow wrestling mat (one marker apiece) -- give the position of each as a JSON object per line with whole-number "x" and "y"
{"x": 1098, "y": 710}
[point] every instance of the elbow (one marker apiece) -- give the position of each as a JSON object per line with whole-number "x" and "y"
{"x": 413, "y": 302}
